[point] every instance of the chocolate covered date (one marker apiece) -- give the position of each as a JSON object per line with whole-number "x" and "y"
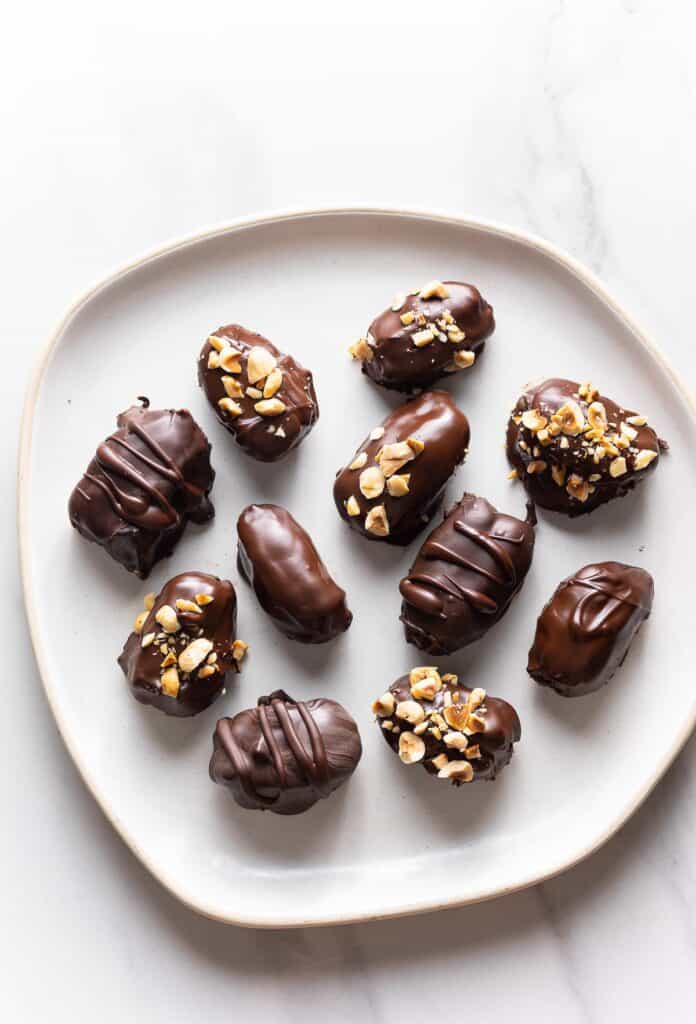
{"x": 424, "y": 335}
{"x": 574, "y": 449}
{"x": 265, "y": 398}
{"x": 146, "y": 481}
{"x": 285, "y": 755}
{"x": 584, "y": 632}
{"x": 277, "y": 557}
{"x": 395, "y": 483}
{"x": 456, "y": 734}
{"x": 465, "y": 576}
{"x": 183, "y": 644}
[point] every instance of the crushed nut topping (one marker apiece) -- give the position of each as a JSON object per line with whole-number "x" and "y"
{"x": 361, "y": 350}
{"x": 233, "y": 389}
{"x": 167, "y": 619}
{"x": 260, "y": 362}
{"x": 398, "y": 485}
{"x": 463, "y": 360}
{"x": 352, "y": 506}
{"x": 254, "y": 393}
{"x": 229, "y": 406}
{"x": 217, "y": 343}
{"x": 617, "y": 467}
{"x": 570, "y": 418}
{"x": 376, "y": 433}
{"x": 457, "y": 740}
{"x": 274, "y": 382}
{"x": 644, "y": 457}
{"x": 411, "y": 748}
{"x": 203, "y": 599}
{"x": 411, "y": 711}
{"x": 533, "y": 420}
{"x": 421, "y": 338}
{"x": 457, "y": 772}
{"x": 147, "y": 639}
{"x": 398, "y": 302}
{"x": 193, "y": 655}
{"x": 577, "y": 487}
{"x": 169, "y": 681}
{"x": 384, "y": 706}
{"x": 183, "y": 605}
{"x": 229, "y": 360}
{"x": 407, "y": 318}
{"x": 371, "y": 482}
{"x": 270, "y": 407}
{"x": 140, "y": 621}
{"x": 239, "y": 649}
{"x": 434, "y": 289}
{"x": 376, "y": 521}
{"x": 359, "y": 461}
{"x": 393, "y": 456}
{"x": 536, "y": 466}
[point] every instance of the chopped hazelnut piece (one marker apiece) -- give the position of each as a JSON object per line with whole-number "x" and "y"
{"x": 170, "y": 682}
{"x": 352, "y": 506}
{"x": 457, "y": 771}
{"x": 384, "y": 706}
{"x": 423, "y": 672}
{"x": 394, "y": 456}
{"x": 455, "y": 334}
{"x": 587, "y": 391}
{"x": 473, "y": 752}
{"x": 577, "y": 487}
{"x": 147, "y": 639}
{"x": 463, "y": 360}
{"x": 411, "y": 748}
{"x": 513, "y": 474}
{"x": 617, "y": 467}
{"x": 376, "y": 433}
{"x": 644, "y": 457}
{"x": 254, "y": 393}
{"x": 440, "y": 761}
{"x": 398, "y": 302}
{"x": 398, "y": 485}
{"x": 570, "y": 418}
{"x": 166, "y": 617}
{"x": 140, "y": 621}
{"x": 476, "y": 724}
{"x": 637, "y": 421}
{"x": 371, "y": 482}
{"x": 149, "y": 601}
{"x": 239, "y": 649}
{"x": 455, "y": 739}
{"x": 196, "y": 652}
{"x": 597, "y": 416}
{"x": 536, "y": 466}
{"x": 411, "y": 711}
{"x": 388, "y": 725}
{"x": 407, "y": 318}
{"x": 558, "y": 473}
{"x": 628, "y": 431}
{"x": 213, "y": 360}
{"x": 182, "y": 605}
{"x": 425, "y": 689}
{"x": 229, "y": 406}
{"x": 207, "y": 670}
{"x": 273, "y": 383}
{"x": 361, "y": 350}
{"x": 260, "y": 363}
{"x": 478, "y": 695}
{"x": 359, "y": 461}
{"x": 218, "y": 343}
{"x": 434, "y": 289}
{"x": 203, "y": 599}
{"x": 229, "y": 360}
{"x": 422, "y": 338}
{"x": 533, "y": 420}
{"x": 376, "y": 521}
{"x": 233, "y": 389}
{"x": 169, "y": 659}
{"x": 270, "y": 407}
{"x": 456, "y": 716}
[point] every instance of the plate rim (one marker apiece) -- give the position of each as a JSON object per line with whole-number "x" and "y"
{"x": 492, "y": 228}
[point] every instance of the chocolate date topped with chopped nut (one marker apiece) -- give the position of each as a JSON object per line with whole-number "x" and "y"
{"x": 574, "y": 449}
{"x": 584, "y": 632}
{"x": 182, "y": 644}
{"x": 396, "y": 481}
{"x": 465, "y": 575}
{"x": 146, "y": 481}
{"x": 426, "y": 334}
{"x": 262, "y": 396}
{"x": 457, "y": 734}
{"x": 284, "y": 755}
{"x": 277, "y": 557}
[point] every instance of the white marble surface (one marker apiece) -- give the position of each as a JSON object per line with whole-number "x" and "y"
{"x": 127, "y": 126}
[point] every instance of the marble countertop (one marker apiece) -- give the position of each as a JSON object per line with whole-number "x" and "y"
{"x": 125, "y": 125}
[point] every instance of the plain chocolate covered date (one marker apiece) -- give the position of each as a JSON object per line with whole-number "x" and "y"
{"x": 284, "y": 755}
{"x": 395, "y": 482}
{"x": 277, "y": 557}
{"x": 183, "y": 644}
{"x": 431, "y": 332}
{"x": 465, "y": 576}
{"x": 146, "y": 481}
{"x": 457, "y": 734}
{"x": 265, "y": 398}
{"x": 584, "y": 632}
{"x": 574, "y": 449}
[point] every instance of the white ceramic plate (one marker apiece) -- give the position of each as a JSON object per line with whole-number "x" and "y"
{"x": 392, "y": 841}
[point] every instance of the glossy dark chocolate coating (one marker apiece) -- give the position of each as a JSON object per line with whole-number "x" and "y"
{"x": 284, "y": 755}
{"x": 578, "y": 457}
{"x": 465, "y": 576}
{"x": 495, "y": 739}
{"x": 265, "y": 438}
{"x": 277, "y": 557}
{"x": 217, "y": 620}
{"x": 146, "y": 481}
{"x": 434, "y": 419}
{"x": 584, "y": 632}
{"x": 397, "y": 363}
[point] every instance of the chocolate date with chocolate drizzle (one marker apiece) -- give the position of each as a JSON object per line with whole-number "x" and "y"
{"x": 146, "y": 481}
{"x": 574, "y": 449}
{"x": 584, "y": 632}
{"x": 265, "y": 398}
{"x": 396, "y": 480}
{"x": 457, "y": 734}
{"x": 277, "y": 557}
{"x": 183, "y": 644}
{"x": 433, "y": 331}
{"x": 465, "y": 575}
{"x": 285, "y": 755}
